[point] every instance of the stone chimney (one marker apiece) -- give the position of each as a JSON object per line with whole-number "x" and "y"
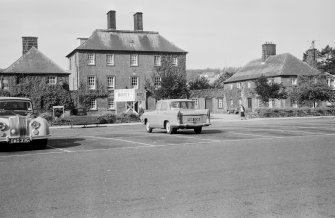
{"x": 138, "y": 21}
{"x": 268, "y": 49}
{"x": 111, "y": 20}
{"x": 28, "y": 42}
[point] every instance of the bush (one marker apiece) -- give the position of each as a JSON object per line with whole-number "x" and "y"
{"x": 62, "y": 122}
{"x": 107, "y": 118}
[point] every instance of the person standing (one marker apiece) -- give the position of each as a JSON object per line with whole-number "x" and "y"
{"x": 242, "y": 112}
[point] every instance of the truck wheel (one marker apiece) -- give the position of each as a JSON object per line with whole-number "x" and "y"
{"x": 147, "y": 127}
{"x": 168, "y": 128}
{"x": 197, "y": 130}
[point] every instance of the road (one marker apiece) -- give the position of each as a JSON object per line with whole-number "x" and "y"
{"x": 253, "y": 168}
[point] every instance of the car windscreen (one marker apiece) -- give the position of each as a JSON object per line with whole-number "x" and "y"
{"x": 15, "y": 105}
{"x": 182, "y": 104}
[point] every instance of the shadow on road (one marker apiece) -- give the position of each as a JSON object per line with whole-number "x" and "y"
{"x": 53, "y": 143}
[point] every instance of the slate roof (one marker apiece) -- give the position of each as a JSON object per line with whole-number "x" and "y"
{"x": 207, "y": 93}
{"x": 121, "y": 40}
{"x": 277, "y": 65}
{"x": 34, "y": 62}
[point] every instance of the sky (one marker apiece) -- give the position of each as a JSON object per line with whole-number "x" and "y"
{"x": 215, "y": 33}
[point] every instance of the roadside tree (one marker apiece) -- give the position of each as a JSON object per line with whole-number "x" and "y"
{"x": 267, "y": 90}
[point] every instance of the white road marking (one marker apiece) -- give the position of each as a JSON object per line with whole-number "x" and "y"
{"x": 145, "y": 145}
{"x": 64, "y": 150}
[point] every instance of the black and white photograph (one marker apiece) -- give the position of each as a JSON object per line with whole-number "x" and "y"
{"x": 167, "y": 109}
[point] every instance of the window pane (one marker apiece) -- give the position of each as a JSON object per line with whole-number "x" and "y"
{"x": 110, "y": 59}
{"x": 91, "y": 59}
{"x": 133, "y": 60}
{"x": 91, "y": 82}
{"x": 111, "y": 82}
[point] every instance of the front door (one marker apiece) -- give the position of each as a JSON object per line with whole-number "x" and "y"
{"x": 250, "y": 103}
{"x": 208, "y": 104}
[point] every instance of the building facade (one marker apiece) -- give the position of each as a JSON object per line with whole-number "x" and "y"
{"x": 117, "y": 60}
{"x": 211, "y": 99}
{"x": 33, "y": 63}
{"x": 282, "y": 68}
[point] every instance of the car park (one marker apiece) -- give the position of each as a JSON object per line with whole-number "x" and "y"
{"x": 174, "y": 114}
{"x": 18, "y": 124}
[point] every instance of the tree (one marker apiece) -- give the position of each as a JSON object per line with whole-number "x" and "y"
{"x": 199, "y": 83}
{"x": 312, "y": 91}
{"x": 269, "y": 90}
{"x": 173, "y": 84}
{"x": 219, "y": 82}
{"x": 326, "y": 60}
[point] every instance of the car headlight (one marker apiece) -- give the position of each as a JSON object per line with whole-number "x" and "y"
{"x": 2, "y": 126}
{"x": 35, "y": 125}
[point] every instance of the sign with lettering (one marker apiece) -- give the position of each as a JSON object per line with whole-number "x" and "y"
{"x": 123, "y": 95}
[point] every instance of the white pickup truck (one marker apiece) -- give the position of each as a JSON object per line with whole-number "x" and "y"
{"x": 174, "y": 114}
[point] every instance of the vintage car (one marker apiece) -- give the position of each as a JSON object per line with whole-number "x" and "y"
{"x": 174, "y": 114}
{"x": 18, "y": 124}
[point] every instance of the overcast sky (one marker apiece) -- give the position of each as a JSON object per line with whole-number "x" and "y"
{"x": 216, "y": 33}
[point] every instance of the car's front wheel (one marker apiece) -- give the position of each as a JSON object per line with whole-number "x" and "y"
{"x": 147, "y": 127}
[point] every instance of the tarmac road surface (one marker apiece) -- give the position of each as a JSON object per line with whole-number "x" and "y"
{"x": 253, "y": 168}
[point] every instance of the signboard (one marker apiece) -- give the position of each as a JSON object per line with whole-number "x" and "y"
{"x": 124, "y": 95}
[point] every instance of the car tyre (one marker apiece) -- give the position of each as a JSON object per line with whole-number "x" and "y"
{"x": 198, "y": 130}
{"x": 168, "y": 128}
{"x": 40, "y": 143}
{"x": 147, "y": 127}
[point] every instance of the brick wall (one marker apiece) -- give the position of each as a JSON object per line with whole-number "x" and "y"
{"x": 122, "y": 71}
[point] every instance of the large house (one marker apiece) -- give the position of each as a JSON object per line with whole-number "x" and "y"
{"x": 282, "y": 68}
{"x": 121, "y": 61}
{"x": 32, "y": 63}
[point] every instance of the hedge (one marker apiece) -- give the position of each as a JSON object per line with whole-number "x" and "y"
{"x": 292, "y": 112}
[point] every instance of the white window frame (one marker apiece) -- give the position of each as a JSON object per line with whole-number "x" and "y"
{"x": 91, "y": 82}
{"x": 294, "y": 104}
{"x": 134, "y": 82}
{"x": 133, "y": 60}
{"x": 157, "y": 81}
{"x": 93, "y": 104}
{"x": 231, "y": 102}
{"x": 249, "y": 85}
{"x": 111, "y": 82}
{"x": 294, "y": 81}
{"x": 220, "y": 103}
{"x": 175, "y": 61}
{"x": 52, "y": 80}
{"x": 331, "y": 83}
{"x": 110, "y": 59}
{"x": 157, "y": 60}
{"x": 91, "y": 59}
{"x": 5, "y": 84}
{"x": 111, "y": 104}
{"x": 238, "y": 85}
{"x": 231, "y": 86}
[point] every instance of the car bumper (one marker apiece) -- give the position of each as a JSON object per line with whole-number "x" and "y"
{"x": 190, "y": 125}
{"x": 7, "y": 139}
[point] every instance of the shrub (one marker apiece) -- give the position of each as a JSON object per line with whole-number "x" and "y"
{"x": 61, "y": 122}
{"x": 107, "y": 118}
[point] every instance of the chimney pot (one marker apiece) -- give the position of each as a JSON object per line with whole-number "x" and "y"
{"x": 268, "y": 49}
{"x": 111, "y": 20}
{"x": 28, "y": 42}
{"x": 138, "y": 21}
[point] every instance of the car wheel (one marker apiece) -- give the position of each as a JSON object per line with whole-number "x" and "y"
{"x": 198, "y": 130}
{"x": 168, "y": 128}
{"x": 40, "y": 143}
{"x": 147, "y": 127}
